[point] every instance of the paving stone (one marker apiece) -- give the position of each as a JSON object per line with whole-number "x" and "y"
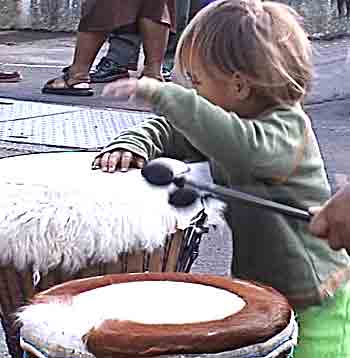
{"x": 64, "y": 126}
{"x": 14, "y": 110}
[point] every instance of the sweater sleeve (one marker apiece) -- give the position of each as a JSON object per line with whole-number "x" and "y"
{"x": 153, "y": 138}
{"x": 266, "y": 147}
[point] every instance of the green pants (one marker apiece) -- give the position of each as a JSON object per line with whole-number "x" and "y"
{"x": 324, "y": 331}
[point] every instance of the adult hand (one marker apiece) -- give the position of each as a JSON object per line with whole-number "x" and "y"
{"x": 332, "y": 221}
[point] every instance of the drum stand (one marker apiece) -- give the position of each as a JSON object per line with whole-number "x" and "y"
{"x": 192, "y": 238}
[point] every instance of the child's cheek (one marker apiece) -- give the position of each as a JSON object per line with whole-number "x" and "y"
{"x": 178, "y": 78}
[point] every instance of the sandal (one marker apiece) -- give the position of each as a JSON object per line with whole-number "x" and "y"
{"x": 6, "y": 77}
{"x": 69, "y": 85}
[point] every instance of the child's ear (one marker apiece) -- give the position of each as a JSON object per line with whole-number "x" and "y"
{"x": 241, "y": 85}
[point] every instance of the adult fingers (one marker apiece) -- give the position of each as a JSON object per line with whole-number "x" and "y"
{"x": 125, "y": 162}
{"x": 314, "y": 210}
{"x": 345, "y": 236}
{"x": 339, "y": 233}
{"x": 335, "y": 239}
{"x": 319, "y": 225}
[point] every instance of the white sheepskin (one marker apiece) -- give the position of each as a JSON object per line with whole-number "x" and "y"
{"x": 55, "y": 210}
{"x": 56, "y": 325}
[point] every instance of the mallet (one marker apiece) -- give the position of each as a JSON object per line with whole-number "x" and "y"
{"x": 161, "y": 172}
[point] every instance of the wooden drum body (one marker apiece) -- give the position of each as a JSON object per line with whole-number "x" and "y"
{"x": 158, "y": 315}
{"x": 59, "y": 221}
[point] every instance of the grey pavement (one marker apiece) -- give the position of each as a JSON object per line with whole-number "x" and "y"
{"x": 41, "y": 56}
{"x": 31, "y": 122}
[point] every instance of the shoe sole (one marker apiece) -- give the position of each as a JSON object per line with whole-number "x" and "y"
{"x": 12, "y": 80}
{"x": 68, "y": 92}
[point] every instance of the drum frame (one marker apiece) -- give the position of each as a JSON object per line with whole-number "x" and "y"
{"x": 17, "y": 288}
{"x": 240, "y": 335}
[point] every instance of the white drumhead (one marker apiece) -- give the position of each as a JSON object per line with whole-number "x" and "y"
{"x": 148, "y": 302}
{"x": 159, "y": 302}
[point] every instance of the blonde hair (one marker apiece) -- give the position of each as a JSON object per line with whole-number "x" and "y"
{"x": 264, "y": 41}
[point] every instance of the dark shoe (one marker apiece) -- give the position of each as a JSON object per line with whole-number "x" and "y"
{"x": 166, "y": 73}
{"x": 108, "y": 71}
{"x": 132, "y": 66}
{"x": 164, "y": 76}
{"x": 7, "y": 77}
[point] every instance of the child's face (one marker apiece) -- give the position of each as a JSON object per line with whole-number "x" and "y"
{"x": 215, "y": 88}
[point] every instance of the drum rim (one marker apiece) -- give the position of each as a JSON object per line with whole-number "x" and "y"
{"x": 235, "y": 331}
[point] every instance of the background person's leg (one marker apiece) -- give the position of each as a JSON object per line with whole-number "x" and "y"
{"x": 75, "y": 79}
{"x": 155, "y": 39}
{"x": 185, "y": 11}
{"x": 340, "y": 4}
{"x": 122, "y": 55}
{"x": 348, "y": 8}
{"x": 197, "y": 5}
{"x": 88, "y": 44}
{"x": 183, "y": 8}
{"x": 124, "y": 47}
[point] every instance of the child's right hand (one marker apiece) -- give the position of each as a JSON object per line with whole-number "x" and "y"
{"x": 118, "y": 159}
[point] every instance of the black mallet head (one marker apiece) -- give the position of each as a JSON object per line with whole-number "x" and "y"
{"x": 164, "y": 171}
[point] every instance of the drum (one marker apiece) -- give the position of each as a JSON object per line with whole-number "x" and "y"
{"x": 158, "y": 315}
{"x": 60, "y": 220}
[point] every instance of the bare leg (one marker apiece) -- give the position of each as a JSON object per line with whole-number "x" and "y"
{"x": 340, "y": 7}
{"x": 155, "y": 39}
{"x": 87, "y": 47}
{"x": 76, "y": 80}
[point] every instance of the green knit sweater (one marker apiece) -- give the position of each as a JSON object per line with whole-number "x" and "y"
{"x": 275, "y": 156}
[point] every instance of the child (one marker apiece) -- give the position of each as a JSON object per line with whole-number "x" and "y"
{"x": 250, "y": 66}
